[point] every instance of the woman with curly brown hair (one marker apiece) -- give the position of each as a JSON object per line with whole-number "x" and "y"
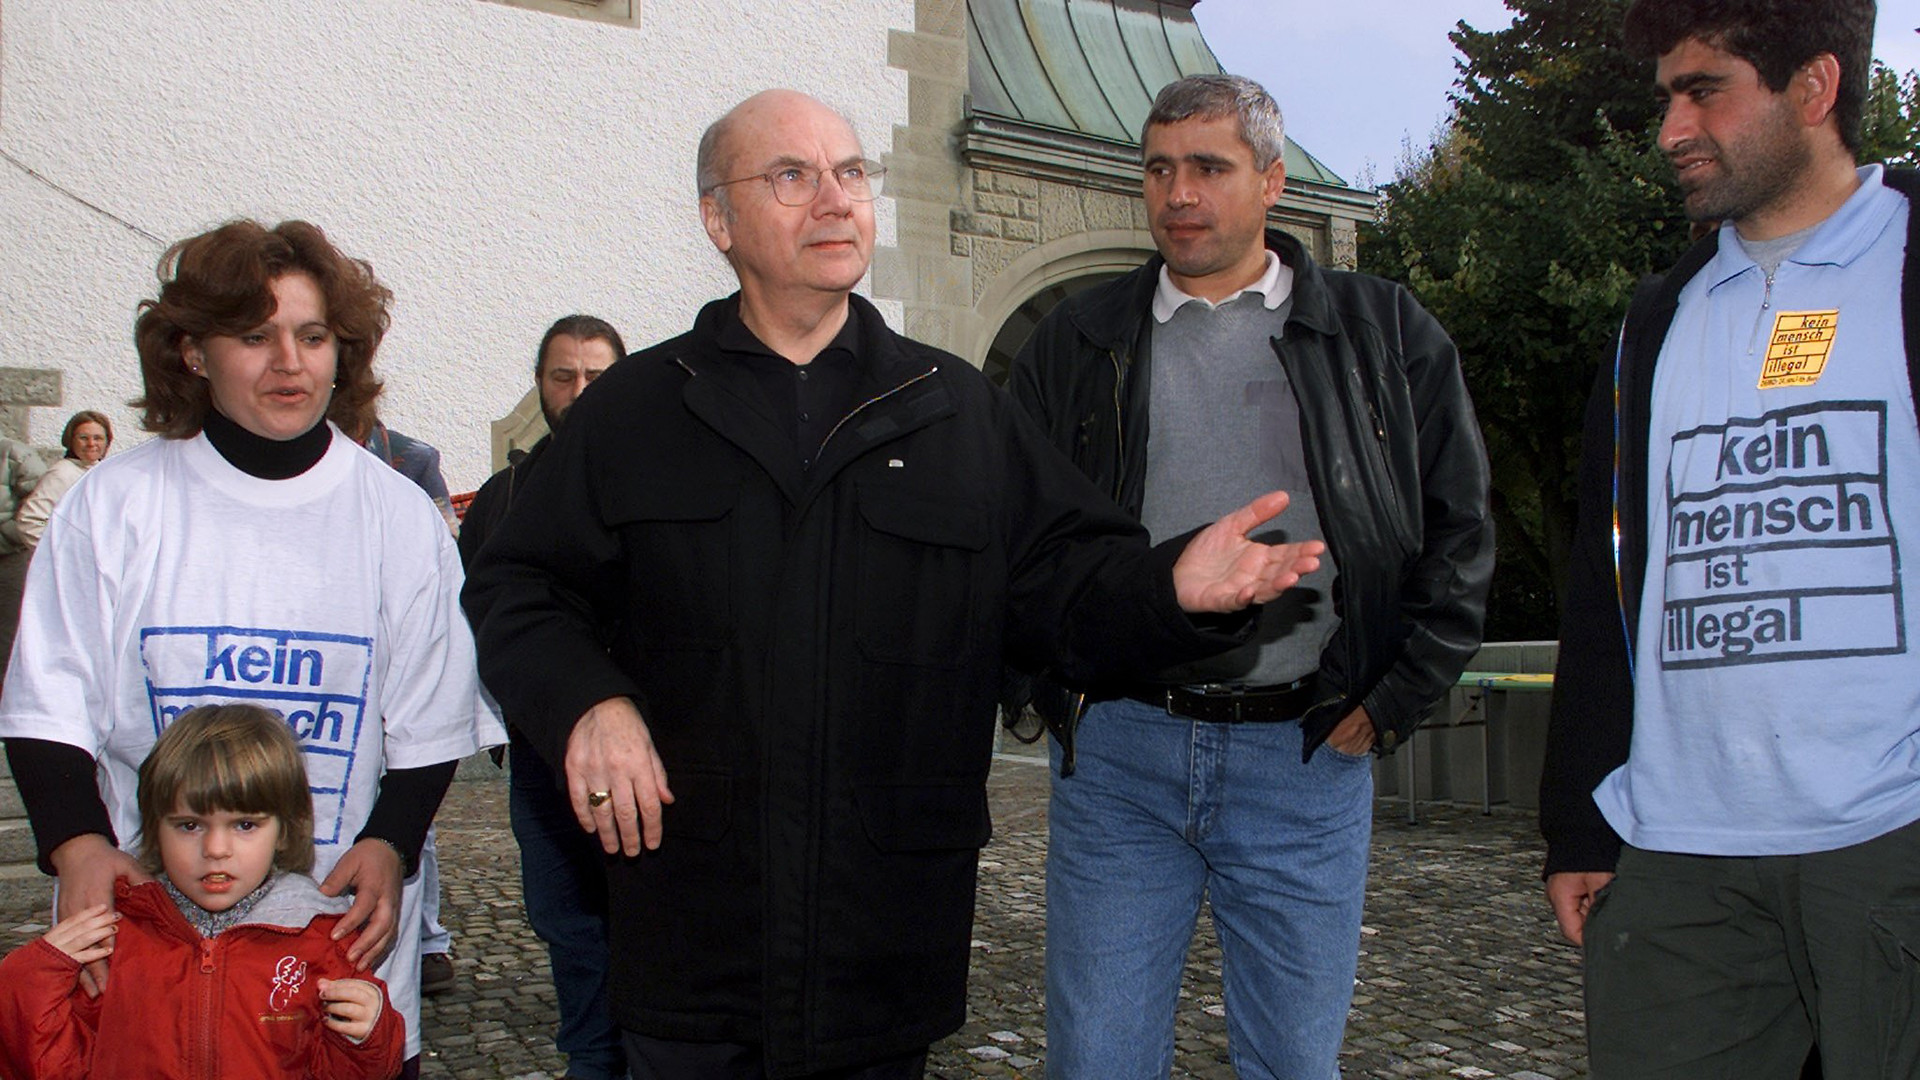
{"x": 252, "y": 553}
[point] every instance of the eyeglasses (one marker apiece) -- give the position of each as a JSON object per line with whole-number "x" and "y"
{"x": 799, "y": 185}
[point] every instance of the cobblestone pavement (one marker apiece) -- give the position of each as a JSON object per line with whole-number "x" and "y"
{"x": 1461, "y": 973}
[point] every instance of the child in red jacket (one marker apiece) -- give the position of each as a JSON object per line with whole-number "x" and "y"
{"x": 222, "y": 967}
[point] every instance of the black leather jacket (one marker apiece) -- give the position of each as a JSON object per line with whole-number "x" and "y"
{"x": 1394, "y": 455}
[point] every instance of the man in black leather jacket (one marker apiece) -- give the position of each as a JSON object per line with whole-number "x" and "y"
{"x": 1340, "y": 389}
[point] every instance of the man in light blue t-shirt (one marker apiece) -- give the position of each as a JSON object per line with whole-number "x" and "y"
{"x": 1731, "y": 798}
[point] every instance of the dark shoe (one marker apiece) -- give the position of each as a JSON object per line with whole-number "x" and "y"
{"x": 436, "y": 973}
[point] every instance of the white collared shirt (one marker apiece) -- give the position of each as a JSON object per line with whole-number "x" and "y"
{"x": 1274, "y": 285}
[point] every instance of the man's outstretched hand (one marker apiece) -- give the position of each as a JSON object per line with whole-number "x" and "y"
{"x": 1221, "y": 570}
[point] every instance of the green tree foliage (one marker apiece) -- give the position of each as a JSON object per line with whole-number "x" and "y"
{"x": 1890, "y": 124}
{"x": 1524, "y": 228}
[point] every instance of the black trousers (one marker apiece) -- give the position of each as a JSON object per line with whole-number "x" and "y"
{"x": 665, "y": 1059}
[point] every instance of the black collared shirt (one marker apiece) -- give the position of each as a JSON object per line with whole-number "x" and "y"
{"x": 816, "y": 395}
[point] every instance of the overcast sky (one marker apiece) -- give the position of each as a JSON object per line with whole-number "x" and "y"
{"x": 1358, "y": 78}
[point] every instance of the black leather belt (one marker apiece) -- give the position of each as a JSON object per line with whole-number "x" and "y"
{"x": 1224, "y": 704}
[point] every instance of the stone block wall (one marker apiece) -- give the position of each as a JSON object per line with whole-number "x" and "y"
{"x": 21, "y": 389}
{"x": 1004, "y": 216}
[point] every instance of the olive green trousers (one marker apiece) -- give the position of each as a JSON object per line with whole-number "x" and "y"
{"x": 1733, "y": 968}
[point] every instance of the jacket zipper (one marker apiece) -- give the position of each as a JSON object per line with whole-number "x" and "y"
{"x": 1380, "y": 445}
{"x": 855, "y": 411}
{"x": 1327, "y": 537}
{"x": 1350, "y": 640}
{"x": 807, "y": 965}
{"x": 1078, "y": 706}
{"x": 208, "y": 1027}
{"x": 1760, "y": 317}
{"x": 1619, "y": 466}
{"x": 205, "y": 1023}
{"x": 851, "y": 413}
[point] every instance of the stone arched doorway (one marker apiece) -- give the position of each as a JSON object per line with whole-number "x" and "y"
{"x": 1016, "y": 298}
{"x": 1018, "y": 326}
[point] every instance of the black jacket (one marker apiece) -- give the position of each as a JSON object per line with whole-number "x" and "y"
{"x": 1591, "y": 729}
{"x": 1393, "y": 453}
{"x": 817, "y": 655}
{"x": 489, "y": 506}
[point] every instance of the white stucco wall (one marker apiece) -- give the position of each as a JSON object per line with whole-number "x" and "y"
{"x": 499, "y": 167}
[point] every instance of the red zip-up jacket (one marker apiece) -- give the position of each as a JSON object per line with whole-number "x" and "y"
{"x": 245, "y": 1004}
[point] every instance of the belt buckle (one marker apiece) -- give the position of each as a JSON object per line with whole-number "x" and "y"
{"x": 1232, "y": 693}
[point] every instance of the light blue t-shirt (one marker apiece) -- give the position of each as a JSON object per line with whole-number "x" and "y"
{"x": 1776, "y": 693}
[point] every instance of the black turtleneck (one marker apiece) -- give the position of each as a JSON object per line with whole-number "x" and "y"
{"x": 57, "y": 780}
{"x": 268, "y": 459}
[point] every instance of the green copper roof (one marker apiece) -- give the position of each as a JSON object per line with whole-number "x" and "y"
{"x": 1090, "y": 68}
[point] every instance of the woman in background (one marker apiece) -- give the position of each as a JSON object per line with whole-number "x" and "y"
{"x": 87, "y": 437}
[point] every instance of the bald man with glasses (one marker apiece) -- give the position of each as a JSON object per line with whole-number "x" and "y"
{"x": 755, "y": 610}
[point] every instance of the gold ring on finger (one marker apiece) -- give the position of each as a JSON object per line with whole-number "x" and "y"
{"x": 598, "y": 798}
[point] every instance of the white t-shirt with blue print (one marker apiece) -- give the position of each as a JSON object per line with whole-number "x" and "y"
{"x": 170, "y": 579}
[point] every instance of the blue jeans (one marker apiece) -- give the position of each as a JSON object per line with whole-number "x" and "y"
{"x": 434, "y": 937}
{"x": 1162, "y": 810}
{"x": 564, "y": 879}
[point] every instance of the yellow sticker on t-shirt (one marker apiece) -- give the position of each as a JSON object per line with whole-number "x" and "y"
{"x": 1797, "y": 351}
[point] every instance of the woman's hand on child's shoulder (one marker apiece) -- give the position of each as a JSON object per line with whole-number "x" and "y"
{"x": 352, "y": 1006}
{"x": 88, "y": 866}
{"x": 86, "y": 935}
